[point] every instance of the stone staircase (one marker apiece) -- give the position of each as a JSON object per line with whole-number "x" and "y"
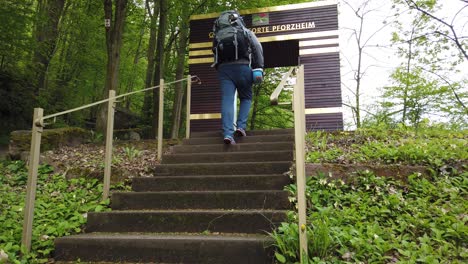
{"x": 207, "y": 203}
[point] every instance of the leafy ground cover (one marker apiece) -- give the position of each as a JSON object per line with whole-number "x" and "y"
{"x": 431, "y": 147}
{"x": 61, "y": 208}
{"x": 66, "y": 191}
{"x": 370, "y": 219}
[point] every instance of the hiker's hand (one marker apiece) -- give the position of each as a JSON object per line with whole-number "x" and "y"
{"x": 257, "y": 75}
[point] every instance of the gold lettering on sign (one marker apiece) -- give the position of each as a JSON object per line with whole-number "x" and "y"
{"x": 276, "y": 28}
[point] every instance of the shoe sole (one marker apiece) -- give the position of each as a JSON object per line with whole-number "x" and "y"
{"x": 228, "y": 141}
{"x": 239, "y": 134}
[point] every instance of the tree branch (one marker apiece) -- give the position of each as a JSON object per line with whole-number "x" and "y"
{"x": 450, "y": 85}
{"x": 455, "y": 38}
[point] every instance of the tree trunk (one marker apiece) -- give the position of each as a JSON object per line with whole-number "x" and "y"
{"x": 136, "y": 59}
{"x": 114, "y": 34}
{"x": 358, "y": 75}
{"x": 407, "y": 82}
{"x": 46, "y": 35}
{"x": 179, "y": 87}
{"x": 159, "y": 69}
{"x": 255, "y": 106}
{"x": 147, "y": 103}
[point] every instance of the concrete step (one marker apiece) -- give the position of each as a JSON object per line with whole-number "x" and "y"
{"x": 249, "y": 133}
{"x": 207, "y": 183}
{"x": 228, "y": 168}
{"x": 191, "y": 221}
{"x": 228, "y": 157}
{"x": 241, "y": 140}
{"x": 270, "y": 146}
{"x": 161, "y": 248}
{"x": 200, "y": 200}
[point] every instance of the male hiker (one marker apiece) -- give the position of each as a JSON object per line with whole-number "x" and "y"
{"x": 238, "y": 57}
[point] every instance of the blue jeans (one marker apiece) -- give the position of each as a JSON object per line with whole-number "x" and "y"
{"x": 234, "y": 77}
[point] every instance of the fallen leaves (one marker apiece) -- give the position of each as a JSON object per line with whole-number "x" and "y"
{"x": 88, "y": 159}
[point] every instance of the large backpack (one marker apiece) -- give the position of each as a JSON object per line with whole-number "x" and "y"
{"x": 231, "y": 38}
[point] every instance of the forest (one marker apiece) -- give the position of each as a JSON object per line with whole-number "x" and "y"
{"x": 60, "y": 54}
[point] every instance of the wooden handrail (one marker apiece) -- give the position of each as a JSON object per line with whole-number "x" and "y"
{"x": 40, "y": 121}
{"x": 299, "y": 151}
{"x": 38, "y": 125}
{"x": 274, "y": 96}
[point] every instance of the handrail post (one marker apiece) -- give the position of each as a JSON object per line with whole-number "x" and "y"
{"x": 299, "y": 121}
{"x": 160, "y": 119}
{"x": 32, "y": 178}
{"x": 189, "y": 95}
{"x": 109, "y": 138}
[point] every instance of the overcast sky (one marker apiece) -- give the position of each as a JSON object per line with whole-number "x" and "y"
{"x": 380, "y": 62}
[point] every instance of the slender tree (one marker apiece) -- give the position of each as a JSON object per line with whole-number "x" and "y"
{"x": 159, "y": 59}
{"x": 363, "y": 42}
{"x": 180, "y": 69}
{"x": 148, "y": 100}
{"x": 444, "y": 29}
{"x": 114, "y": 26}
{"x": 437, "y": 38}
{"x": 46, "y": 31}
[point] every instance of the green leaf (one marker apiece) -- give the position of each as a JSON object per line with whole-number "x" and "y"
{"x": 280, "y": 257}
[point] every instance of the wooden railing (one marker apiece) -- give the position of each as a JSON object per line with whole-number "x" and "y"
{"x": 38, "y": 126}
{"x": 274, "y": 97}
{"x": 299, "y": 150}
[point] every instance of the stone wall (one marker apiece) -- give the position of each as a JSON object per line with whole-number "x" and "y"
{"x": 20, "y": 141}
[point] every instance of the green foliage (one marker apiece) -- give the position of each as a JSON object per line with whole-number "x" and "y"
{"x": 60, "y": 209}
{"x": 96, "y": 137}
{"x": 415, "y": 95}
{"x": 262, "y": 114}
{"x": 431, "y": 49}
{"x": 131, "y": 152}
{"x": 371, "y": 219}
{"x": 17, "y": 100}
{"x": 16, "y": 20}
{"x": 77, "y": 70}
{"x": 431, "y": 146}
{"x": 378, "y": 220}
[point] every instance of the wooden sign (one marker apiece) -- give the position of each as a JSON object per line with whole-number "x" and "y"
{"x": 305, "y": 33}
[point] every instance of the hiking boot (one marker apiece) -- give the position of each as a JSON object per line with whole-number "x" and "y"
{"x": 240, "y": 132}
{"x": 229, "y": 140}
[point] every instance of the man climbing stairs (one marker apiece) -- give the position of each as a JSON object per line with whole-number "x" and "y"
{"x": 207, "y": 203}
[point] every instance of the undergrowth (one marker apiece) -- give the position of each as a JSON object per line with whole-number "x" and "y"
{"x": 370, "y": 219}
{"x": 432, "y": 147}
{"x": 378, "y": 220}
{"x": 60, "y": 209}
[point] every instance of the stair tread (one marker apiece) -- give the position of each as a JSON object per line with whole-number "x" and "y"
{"x": 227, "y": 163}
{"x": 211, "y": 176}
{"x": 279, "y": 131}
{"x": 245, "y": 144}
{"x": 206, "y": 192}
{"x": 249, "y": 136}
{"x": 229, "y": 153}
{"x": 170, "y": 236}
{"x": 291, "y": 142}
{"x": 193, "y": 211}
{"x": 218, "y": 140}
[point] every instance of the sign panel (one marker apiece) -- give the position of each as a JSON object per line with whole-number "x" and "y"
{"x": 305, "y": 33}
